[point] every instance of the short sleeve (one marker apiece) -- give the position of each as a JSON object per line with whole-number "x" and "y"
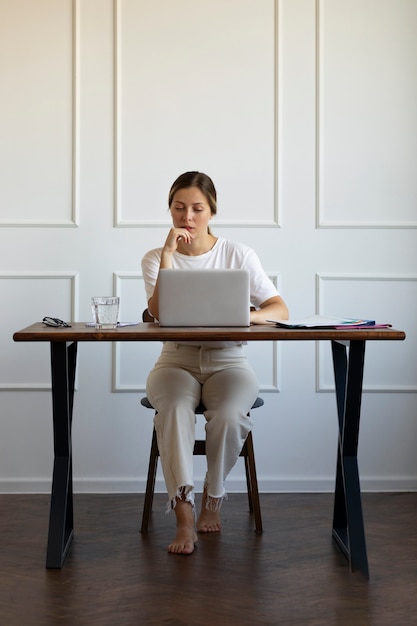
{"x": 150, "y": 268}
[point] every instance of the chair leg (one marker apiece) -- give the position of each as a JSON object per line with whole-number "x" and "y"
{"x": 252, "y": 483}
{"x": 150, "y": 483}
{"x": 244, "y": 453}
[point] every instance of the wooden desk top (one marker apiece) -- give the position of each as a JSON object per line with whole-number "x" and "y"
{"x": 153, "y": 332}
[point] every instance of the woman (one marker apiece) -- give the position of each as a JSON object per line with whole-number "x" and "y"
{"x": 216, "y": 373}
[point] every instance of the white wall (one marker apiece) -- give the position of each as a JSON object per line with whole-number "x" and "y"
{"x": 303, "y": 113}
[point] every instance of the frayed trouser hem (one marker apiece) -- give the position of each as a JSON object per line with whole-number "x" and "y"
{"x": 186, "y": 494}
{"x": 215, "y": 504}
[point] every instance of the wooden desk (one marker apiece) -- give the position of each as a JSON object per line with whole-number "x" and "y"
{"x": 348, "y": 350}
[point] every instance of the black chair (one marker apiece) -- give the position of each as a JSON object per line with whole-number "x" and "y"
{"x": 247, "y": 453}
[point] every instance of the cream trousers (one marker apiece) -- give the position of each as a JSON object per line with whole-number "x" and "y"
{"x": 223, "y": 380}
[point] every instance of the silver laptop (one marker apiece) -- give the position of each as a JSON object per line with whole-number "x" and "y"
{"x": 204, "y": 297}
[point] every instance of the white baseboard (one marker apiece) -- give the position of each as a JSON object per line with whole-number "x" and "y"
{"x": 282, "y": 485}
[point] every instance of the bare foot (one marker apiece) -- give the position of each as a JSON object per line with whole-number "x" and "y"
{"x": 186, "y": 537}
{"x": 208, "y": 521}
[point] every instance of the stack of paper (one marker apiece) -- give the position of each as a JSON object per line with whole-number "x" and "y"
{"x": 320, "y": 321}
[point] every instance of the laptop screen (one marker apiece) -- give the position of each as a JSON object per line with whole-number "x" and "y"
{"x": 211, "y": 297}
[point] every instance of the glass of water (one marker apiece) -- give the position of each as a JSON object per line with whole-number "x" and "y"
{"x": 105, "y": 311}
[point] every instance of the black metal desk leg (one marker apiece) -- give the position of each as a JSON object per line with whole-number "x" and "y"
{"x": 61, "y": 520}
{"x": 348, "y": 527}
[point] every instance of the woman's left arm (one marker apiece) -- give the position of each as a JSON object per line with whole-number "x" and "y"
{"x": 272, "y": 309}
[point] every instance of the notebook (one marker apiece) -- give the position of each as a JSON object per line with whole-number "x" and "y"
{"x": 215, "y": 297}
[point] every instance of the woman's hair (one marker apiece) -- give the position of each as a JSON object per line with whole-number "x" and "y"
{"x": 196, "y": 179}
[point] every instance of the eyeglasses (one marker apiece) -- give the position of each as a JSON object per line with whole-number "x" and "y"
{"x": 54, "y": 321}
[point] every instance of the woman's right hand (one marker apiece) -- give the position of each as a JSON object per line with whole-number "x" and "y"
{"x": 176, "y": 235}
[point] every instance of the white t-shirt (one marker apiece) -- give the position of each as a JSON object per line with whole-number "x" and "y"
{"x": 225, "y": 254}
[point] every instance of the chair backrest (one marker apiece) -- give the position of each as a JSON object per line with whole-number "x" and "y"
{"x": 147, "y": 317}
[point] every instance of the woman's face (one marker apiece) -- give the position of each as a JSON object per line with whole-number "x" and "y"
{"x": 190, "y": 209}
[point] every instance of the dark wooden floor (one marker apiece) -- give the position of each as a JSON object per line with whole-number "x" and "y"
{"x": 292, "y": 574}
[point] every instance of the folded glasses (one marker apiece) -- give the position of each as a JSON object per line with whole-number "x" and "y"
{"x": 54, "y": 321}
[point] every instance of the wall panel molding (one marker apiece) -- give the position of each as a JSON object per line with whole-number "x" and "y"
{"x": 41, "y": 302}
{"x": 120, "y": 220}
{"x": 368, "y": 292}
{"x": 73, "y": 219}
{"x": 371, "y": 160}
{"x": 130, "y": 288}
{"x": 140, "y": 361}
{"x": 266, "y": 357}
